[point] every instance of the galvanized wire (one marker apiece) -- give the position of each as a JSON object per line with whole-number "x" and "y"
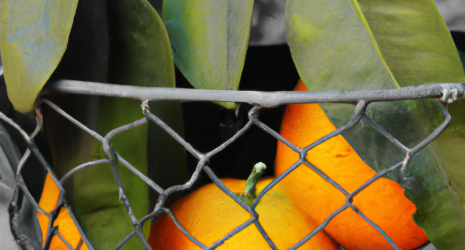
{"x": 260, "y": 99}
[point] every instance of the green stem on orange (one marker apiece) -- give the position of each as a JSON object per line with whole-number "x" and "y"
{"x": 249, "y": 196}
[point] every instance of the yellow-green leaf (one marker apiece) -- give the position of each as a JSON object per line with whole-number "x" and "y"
{"x": 414, "y": 41}
{"x": 33, "y": 38}
{"x": 209, "y": 40}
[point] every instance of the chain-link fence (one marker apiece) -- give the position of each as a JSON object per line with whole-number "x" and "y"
{"x": 363, "y": 98}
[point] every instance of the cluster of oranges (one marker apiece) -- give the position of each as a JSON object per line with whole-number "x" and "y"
{"x": 300, "y": 202}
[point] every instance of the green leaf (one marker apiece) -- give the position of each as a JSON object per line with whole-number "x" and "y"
{"x": 140, "y": 55}
{"x": 140, "y": 46}
{"x": 209, "y": 40}
{"x": 349, "y": 45}
{"x": 416, "y": 44}
{"x": 449, "y": 148}
{"x": 33, "y": 38}
{"x": 143, "y": 57}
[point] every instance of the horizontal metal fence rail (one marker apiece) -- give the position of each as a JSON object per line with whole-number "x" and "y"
{"x": 362, "y": 98}
{"x": 446, "y": 91}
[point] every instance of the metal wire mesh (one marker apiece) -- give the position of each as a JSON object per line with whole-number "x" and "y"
{"x": 451, "y": 92}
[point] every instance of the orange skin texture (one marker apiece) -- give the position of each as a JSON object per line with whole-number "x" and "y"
{"x": 66, "y": 226}
{"x": 208, "y": 214}
{"x": 383, "y": 201}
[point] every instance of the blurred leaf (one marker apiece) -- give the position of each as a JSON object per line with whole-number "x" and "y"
{"x": 384, "y": 44}
{"x": 33, "y": 38}
{"x": 268, "y": 26}
{"x": 209, "y": 40}
{"x": 9, "y": 157}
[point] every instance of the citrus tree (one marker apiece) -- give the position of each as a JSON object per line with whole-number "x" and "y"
{"x": 335, "y": 45}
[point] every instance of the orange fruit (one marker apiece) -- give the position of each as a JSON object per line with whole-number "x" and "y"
{"x": 383, "y": 202}
{"x": 66, "y": 225}
{"x": 208, "y": 214}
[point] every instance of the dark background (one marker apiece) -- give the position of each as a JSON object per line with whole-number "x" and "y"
{"x": 207, "y": 125}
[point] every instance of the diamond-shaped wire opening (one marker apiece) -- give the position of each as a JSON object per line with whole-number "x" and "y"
{"x": 216, "y": 181}
{"x": 226, "y": 191}
{"x": 249, "y": 209}
{"x": 303, "y": 154}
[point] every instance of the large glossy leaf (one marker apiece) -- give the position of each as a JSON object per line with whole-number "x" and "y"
{"x": 384, "y": 44}
{"x": 209, "y": 40}
{"x": 33, "y": 38}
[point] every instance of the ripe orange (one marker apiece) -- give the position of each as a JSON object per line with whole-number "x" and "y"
{"x": 65, "y": 223}
{"x": 383, "y": 202}
{"x": 209, "y": 214}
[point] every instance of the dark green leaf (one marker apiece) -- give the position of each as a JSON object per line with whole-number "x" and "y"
{"x": 140, "y": 55}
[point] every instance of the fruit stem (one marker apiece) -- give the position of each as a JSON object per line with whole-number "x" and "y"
{"x": 250, "y": 189}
